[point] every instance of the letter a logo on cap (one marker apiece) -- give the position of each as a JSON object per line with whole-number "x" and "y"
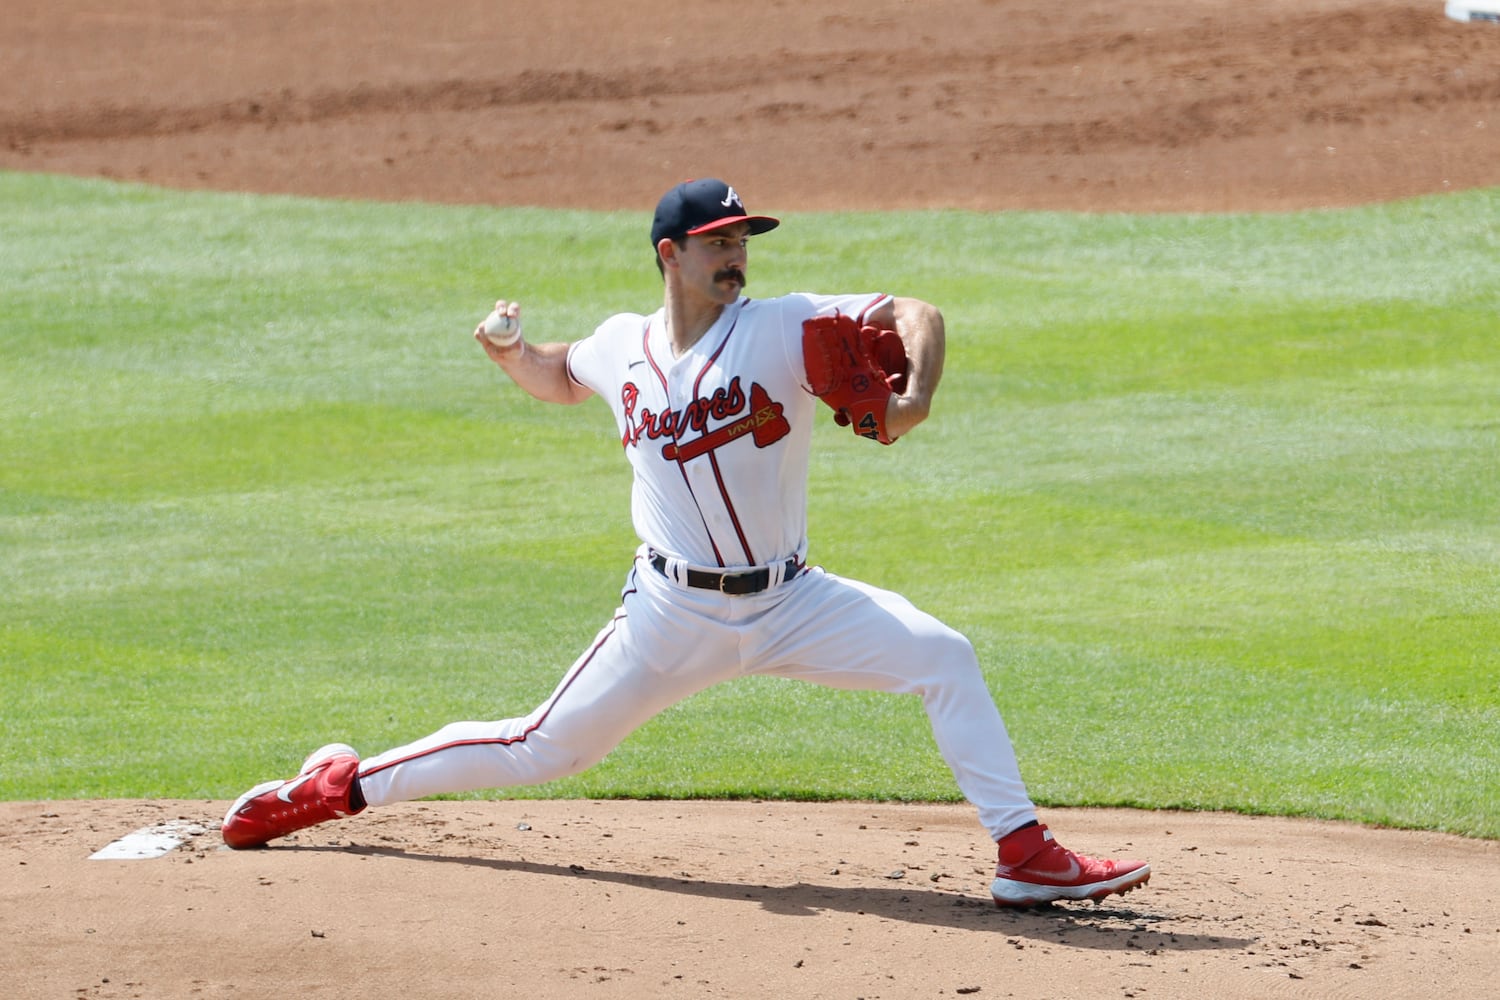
{"x": 732, "y": 199}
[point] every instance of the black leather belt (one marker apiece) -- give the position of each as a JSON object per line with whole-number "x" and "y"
{"x": 751, "y": 581}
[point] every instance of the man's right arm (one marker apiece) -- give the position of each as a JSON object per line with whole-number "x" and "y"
{"x": 541, "y": 370}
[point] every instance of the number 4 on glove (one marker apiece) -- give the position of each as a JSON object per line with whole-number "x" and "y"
{"x": 855, "y": 370}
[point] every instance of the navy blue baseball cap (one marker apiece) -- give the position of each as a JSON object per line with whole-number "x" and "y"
{"x": 694, "y": 207}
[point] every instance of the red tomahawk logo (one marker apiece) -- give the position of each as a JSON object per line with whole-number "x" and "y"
{"x": 764, "y": 423}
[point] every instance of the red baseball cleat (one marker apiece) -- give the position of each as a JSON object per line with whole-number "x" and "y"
{"x": 1036, "y": 869}
{"x": 319, "y": 792}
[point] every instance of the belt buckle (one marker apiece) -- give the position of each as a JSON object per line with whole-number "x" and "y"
{"x": 743, "y": 583}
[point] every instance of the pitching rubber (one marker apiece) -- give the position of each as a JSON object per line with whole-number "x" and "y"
{"x": 1474, "y": 10}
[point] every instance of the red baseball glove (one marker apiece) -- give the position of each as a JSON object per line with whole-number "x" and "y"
{"x": 855, "y": 370}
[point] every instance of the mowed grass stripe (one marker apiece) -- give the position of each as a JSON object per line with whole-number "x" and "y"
{"x": 1213, "y": 496}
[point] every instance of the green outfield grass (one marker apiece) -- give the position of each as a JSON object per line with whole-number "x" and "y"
{"x": 1216, "y": 497}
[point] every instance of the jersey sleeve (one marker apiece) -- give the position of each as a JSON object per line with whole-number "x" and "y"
{"x": 597, "y": 361}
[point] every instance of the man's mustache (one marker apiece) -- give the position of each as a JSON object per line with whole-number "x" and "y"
{"x": 730, "y": 274}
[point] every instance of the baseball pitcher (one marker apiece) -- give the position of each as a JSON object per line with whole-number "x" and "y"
{"x": 714, "y": 397}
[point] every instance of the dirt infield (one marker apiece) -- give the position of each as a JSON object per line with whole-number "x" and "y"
{"x": 702, "y": 899}
{"x": 1178, "y": 105}
{"x": 987, "y": 104}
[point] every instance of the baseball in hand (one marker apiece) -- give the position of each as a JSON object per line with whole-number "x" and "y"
{"x": 502, "y": 329}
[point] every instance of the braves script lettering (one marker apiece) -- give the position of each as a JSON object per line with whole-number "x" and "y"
{"x": 765, "y": 421}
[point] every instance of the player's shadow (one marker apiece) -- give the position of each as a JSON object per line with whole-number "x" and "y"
{"x": 1113, "y": 926}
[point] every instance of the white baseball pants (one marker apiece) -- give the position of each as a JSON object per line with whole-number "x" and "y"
{"x": 667, "y": 642}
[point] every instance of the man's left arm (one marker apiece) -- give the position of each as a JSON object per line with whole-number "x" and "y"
{"x": 920, "y": 326}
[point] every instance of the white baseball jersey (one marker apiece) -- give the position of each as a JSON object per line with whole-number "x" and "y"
{"x": 718, "y": 438}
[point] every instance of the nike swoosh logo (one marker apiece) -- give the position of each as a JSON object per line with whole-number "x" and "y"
{"x": 636, "y": 364}
{"x": 284, "y": 793}
{"x": 1071, "y": 875}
